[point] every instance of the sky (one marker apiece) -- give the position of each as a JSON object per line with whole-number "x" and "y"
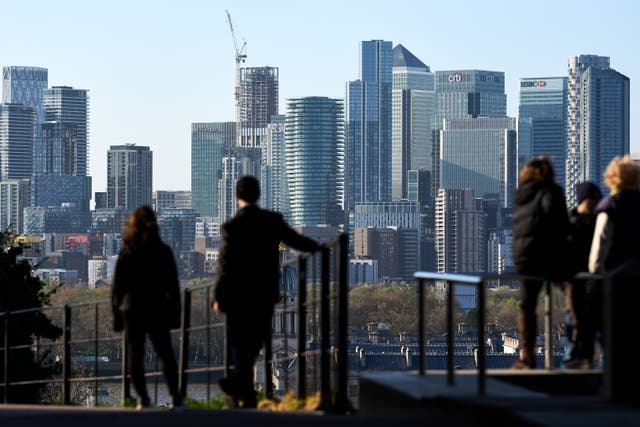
{"x": 154, "y": 67}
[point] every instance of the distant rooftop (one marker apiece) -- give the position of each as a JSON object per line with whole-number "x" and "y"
{"x": 403, "y": 58}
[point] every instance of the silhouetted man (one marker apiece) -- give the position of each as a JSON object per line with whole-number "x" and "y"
{"x": 246, "y": 282}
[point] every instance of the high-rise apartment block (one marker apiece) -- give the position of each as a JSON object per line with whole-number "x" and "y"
{"x": 16, "y": 141}
{"x": 447, "y": 204}
{"x": 481, "y": 154}
{"x": 542, "y": 122}
{"x": 258, "y": 104}
{"x": 314, "y": 152}
{"x": 368, "y": 121}
{"x": 413, "y": 94}
{"x": 273, "y": 179}
{"x": 14, "y": 197}
{"x": 239, "y": 161}
{"x": 598, "y": 119}
{"x": 209, "y": 143}
{"x": 129, "y": 176}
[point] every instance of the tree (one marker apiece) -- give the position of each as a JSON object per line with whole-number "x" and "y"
{"x": 20, "y": 290}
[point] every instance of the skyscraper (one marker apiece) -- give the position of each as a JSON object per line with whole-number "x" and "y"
{"x": 368, "y": 129}
{"x": 258, "y": 103}
{"x": 26, "y": 85}
{"x": 314, "y": 152}
{"x": 481, "y": 154}
{"x": 237, "y": 162}
{"x": 412, "y": 115}
{"x": 209, "y": 142}
{"x": 605, "y": 121}
{"x": 61, "y": 159}
{"x": 65, "y": 149}
{"x": 542, "y": 122}
{"x": 14, "y": 197}
{"x": 466, "y": 94}
{"x": 574, "y": 164}
{"x": 129, "y": 176}
{"x": 273, "y": 180}
{"x": 469, "y": 93}
{"x": 448, "y": 203}
{"x": 16, "y": 141}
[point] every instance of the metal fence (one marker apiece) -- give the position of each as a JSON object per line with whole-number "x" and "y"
{"x": 310, "y": 321}
{"x": 479, "y": 281}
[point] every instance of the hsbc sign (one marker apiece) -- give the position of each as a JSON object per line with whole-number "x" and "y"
{"x": 533, "y": 83}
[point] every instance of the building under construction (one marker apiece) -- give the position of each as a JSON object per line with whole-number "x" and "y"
{"x": 258, "y": 103}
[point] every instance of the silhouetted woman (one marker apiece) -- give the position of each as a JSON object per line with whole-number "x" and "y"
{"x": 146, "y": 300}
{"x": 540, "y": 245}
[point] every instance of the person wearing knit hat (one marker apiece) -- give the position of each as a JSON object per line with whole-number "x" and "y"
{"x": 578, "y": 293}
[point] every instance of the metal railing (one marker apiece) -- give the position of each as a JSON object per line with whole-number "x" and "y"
{"x": 479, "y": 281}
{"x": 319, "y": 291}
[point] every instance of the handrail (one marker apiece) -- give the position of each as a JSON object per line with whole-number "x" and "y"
{"x": 330, "y": 304}
{"x": 479, "y": 280}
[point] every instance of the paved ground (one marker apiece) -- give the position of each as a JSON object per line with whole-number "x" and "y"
{"x": 38, "y": 416}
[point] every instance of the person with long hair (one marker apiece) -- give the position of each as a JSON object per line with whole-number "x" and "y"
{"x": 540, "y": 245}
{"x": 146, "y": 301}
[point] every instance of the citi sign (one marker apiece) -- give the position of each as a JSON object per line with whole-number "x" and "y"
{"x": 535, "y": 83}
{"x": 455, "y": 77}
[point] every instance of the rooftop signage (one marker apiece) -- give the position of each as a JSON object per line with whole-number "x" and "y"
{"x": 533, "y": 83}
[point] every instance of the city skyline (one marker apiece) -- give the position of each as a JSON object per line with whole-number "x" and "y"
{"x": 159, "y": 67}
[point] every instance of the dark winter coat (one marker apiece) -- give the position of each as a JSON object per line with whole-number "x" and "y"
{"x": 582, "y": 228}
{"x": 246, "y": 281}
{"x": 247, "y": 272}
{"x": 541, "y": 231}
{"x": 619, "y": 240}
{"x": 146, "y": 288}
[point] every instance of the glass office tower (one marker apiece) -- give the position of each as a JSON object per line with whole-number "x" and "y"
{"x": 273, "y": 179}
{"x": 16, "y": 141}
{"x": 597, "y": 119}
{"x": 412, "y": 115}
{"x": 209, "y": 142}
{"x": 369, "y": 125}
{"x": 26, "y": 85}
{"x": 605, "y": 121}
{"x": 542, "y": 122}
{"x": 314, "y": 152}
{"x": 479, "y": 154}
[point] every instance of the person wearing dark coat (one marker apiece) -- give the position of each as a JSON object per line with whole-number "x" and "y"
{"x": 145, "y": 300}
{"x": 579, "y": 293}
{"x": 540, "y": 245}
{"x": 246, "y": 282}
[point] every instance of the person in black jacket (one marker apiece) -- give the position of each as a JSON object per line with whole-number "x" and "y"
{"x": 579, "y": 293}
{"x": 246, "y": 282}
{"x": 540, "y": 245}
{"x": 146, "y": 300}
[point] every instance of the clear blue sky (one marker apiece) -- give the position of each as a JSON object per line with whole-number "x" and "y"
{"x": 154, "y": 67}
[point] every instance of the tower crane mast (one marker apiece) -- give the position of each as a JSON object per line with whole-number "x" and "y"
{"x": 241, "y": 55}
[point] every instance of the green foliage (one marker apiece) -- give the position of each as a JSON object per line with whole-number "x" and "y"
{"x": 20, "y": 290}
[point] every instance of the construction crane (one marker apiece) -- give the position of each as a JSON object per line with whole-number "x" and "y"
{"x": 241, "y": 55}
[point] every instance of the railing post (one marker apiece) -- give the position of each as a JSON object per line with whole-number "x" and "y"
{"x": 342, "y": 399}
{"x": 450, "y": 329}
{"x": 208, "y": 340}
{"x": 481, "y": 339}
{"x": 66, "y": 356}
{"x": 6, "y": 357}
{"x": 421, "y": 347}
{"x": 126, "y": 383}
{"x": 302, "y": 328}
{"x": 96, "y": 348}
{"x": 325, "y": 361}
{"x": 268, "y": 356}
{"x": 548, "y": 339}
{"x": 184, "y": 345}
